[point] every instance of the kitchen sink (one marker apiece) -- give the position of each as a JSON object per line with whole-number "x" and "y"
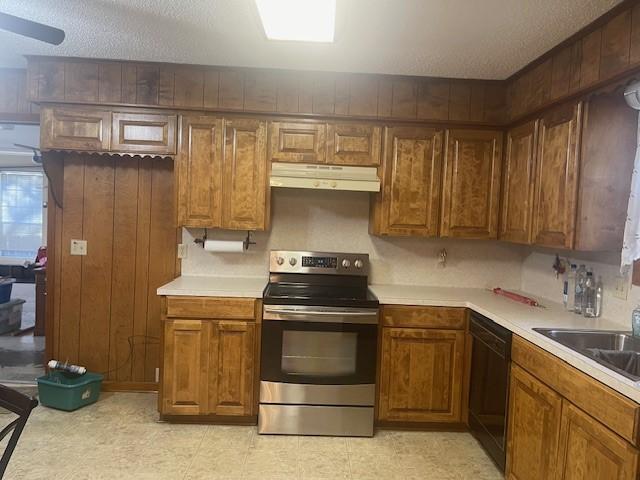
{"x": 618, "y": 351}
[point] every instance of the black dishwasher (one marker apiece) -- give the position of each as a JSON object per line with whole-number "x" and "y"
{"x": 489, "y": 392}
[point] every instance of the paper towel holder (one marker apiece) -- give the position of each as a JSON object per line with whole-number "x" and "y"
{"x": 247, "y": 241}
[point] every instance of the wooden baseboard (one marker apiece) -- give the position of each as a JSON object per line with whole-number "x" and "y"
{"x": 212, "y": 419}
{"x": 109, "y": 386}
{"x": 422, "y": 426}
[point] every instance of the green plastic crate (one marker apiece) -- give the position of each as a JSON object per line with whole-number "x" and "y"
{"x": 69, "y": 392}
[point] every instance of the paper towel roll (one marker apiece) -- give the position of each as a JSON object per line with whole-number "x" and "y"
{"x": 224, "y": 246}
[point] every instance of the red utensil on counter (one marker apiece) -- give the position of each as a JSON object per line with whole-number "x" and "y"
{"x": 516, "y": 297}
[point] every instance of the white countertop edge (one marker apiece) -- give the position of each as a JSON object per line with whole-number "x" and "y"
{"x": 214, "y": 286}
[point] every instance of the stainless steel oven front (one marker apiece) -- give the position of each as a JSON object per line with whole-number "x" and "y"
{"x": 318, "y": 367}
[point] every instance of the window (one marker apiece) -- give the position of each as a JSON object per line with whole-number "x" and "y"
{"x": 20, "y": 214}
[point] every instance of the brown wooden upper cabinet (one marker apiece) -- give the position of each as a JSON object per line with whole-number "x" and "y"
{"x": 244, "y": 190}
{"x": 409, "y": 200}
{"x": 89, "y": 129}
{"x": 299, "y": 142}
{"x": 331, "y": 143}
{"x": 144, "y": 133}
{"x": 353, "y": 144}
{"x": 222, "y": 173}
{"x": 518, "y": 183}
{"x": 199, "y": 171}
{"x": 75, "y": 129}
{"x": 554, "y": 207}
{"x": 471, "y": 188}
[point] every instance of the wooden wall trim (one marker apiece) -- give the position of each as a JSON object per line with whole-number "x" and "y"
{"x": 252, "y": 90}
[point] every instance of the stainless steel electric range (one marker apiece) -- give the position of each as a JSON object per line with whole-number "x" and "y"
{"x": 319, "y": 338}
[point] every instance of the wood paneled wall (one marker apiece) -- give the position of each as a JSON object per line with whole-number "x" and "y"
{"x": 105, "y": 301}
{"x": 57, "y": 79}
{"x": 602, "y": 52}
{"x": 14, "y": 106}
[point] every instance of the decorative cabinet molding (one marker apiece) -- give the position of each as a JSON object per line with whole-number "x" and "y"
{"x": 471, "y": 191}
{"x": 409, "y": 201}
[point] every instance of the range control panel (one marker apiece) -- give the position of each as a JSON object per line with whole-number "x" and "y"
{"x": 286, "y": 261}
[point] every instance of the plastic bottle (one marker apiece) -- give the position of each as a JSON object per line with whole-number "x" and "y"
{"x": 569, "y": 288}
{"x": 635, "y": 321}
{"x": 589, "y": 296}
{"x": 67, "y": 368}
{"x": 599, "y": 296}
{"x": 581, "y": 276}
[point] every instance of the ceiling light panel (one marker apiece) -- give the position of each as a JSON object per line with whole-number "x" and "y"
{"x": 298, "y": 20}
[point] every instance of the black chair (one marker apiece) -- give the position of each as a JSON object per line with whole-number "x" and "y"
{"x": 21, "y": 405}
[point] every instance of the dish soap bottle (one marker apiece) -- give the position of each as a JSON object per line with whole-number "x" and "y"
{"x": 581, "y": 275}
{"x": 599, "y": 296}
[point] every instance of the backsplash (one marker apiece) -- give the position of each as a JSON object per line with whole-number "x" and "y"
{"x": 539, "y": 279}
{"x": 339, "y": 221}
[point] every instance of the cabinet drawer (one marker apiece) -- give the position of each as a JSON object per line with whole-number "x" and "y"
{"x": 424, "y": 317}
{"x": 297, "y": 142}
{"x": 611, "y": 408}
{"x": 349, "y": 144}
{"x": 144, "y": 133}
{"x": 75, "y": 129}
{"x": 212, "y": 307}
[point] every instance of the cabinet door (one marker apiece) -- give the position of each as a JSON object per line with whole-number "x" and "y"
{"x": 297, "y": 142}
{"x": 518, "y": 183}
{"x": 471, "y": 191}
{"x": 144, "y": 133}
{"x": 408, "y": 203}
{"x": 421, "y": 375}
{"x": 534, "y": 428}
{"x": 554, "y": 214}
{"x": 350, "y": 144}
{"x": 590, "y": 451}
{"x": 199, "y": 168}
{"x": 245, "y": 175}
{"x": 232, "y": 368}
{"x": 75, "y": 129}
{"x": 185, "y": 367}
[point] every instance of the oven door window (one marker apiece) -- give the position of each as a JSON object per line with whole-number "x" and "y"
{"x": 318, "y": 353}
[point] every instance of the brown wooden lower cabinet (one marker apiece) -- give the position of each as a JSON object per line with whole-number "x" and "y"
{"x": 421, "y": 375}
{"x": 551, "y": 438}
{"x": 534, "y": 428}
{"x": 209, "y": 365}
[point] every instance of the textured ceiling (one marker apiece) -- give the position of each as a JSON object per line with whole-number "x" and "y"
{"x": 452, "y": 38}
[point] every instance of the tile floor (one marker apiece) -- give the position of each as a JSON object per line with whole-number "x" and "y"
{"x": 120, "y": 438}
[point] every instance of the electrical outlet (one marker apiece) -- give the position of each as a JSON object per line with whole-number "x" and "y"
{"x": 182, "y": 251}
{"x": 621, "y": 287}
{"x": 157, "y": 374}
{"x": 78, "y": 247}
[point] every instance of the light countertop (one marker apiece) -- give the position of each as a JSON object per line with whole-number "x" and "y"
{"x": 517, "y": 317}
{"x": 207, "y": 286}
{"x": 520, "y": 319}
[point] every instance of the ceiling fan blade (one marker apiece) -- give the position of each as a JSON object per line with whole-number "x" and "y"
{"x": 27, "y": 28}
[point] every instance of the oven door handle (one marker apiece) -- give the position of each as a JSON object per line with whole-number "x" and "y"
{"x": 369, "y": 317}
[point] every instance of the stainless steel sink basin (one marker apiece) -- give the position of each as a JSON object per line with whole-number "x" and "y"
{"x": 618, "y": 351}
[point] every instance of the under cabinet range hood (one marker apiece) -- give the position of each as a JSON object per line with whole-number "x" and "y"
{"x": 324, "y": 177}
